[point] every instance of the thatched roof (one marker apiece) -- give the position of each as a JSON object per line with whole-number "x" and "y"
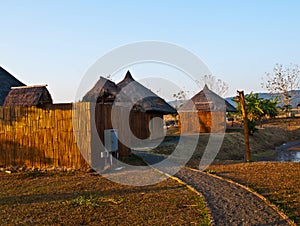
{"x": 143, "y": 97}
{"x": 128, "y": 92}
{"x": 103, "y": 91}
{"x": 207, "y": 100}
{"x": 28, "y": 96}
{"x": 7, "y": 81}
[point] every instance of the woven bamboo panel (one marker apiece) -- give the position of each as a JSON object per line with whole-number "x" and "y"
{"x": 40, "y": 137}
{"x": 202, "y": 122}
{"x": 61, "y": 135}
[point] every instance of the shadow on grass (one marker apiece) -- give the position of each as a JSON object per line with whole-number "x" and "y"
{"x": 67, "y": 196}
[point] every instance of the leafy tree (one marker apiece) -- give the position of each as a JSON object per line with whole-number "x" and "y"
{"x": 282, "y": 82}
{"x": 269, "y": 107}
{"x": 257, "y": 108}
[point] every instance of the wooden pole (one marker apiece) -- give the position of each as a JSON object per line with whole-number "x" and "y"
{"x": 246, "y": 130}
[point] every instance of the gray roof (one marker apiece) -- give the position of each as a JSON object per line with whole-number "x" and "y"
{"x": 7, "y": 81}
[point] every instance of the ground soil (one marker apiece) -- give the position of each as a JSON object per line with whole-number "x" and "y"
{"x": 278, "y": 182}
{"x": 80, "y": 198}
{"x": 229, "y": 203}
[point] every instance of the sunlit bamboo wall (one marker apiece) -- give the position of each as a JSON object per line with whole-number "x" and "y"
{"x": 45, "y": 136}
{"x": 202, "y": 122}
{"x": 41, "y": 137}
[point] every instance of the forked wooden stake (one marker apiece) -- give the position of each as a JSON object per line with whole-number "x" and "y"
{"x": 246, "y": 130}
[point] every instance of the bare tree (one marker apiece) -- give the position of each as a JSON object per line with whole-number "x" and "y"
{"x": 282, "y": 82}
{"x": 180, "y": 97}
{"x": 215, "y": 84}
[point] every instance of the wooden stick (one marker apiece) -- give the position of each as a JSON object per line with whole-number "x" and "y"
{"x": 246, "y": 129}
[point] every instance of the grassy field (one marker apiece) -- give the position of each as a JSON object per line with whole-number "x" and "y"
{"x": 262, "y": 143}
{"x": 79, "y": 198}
{"x": 278, "y": 182}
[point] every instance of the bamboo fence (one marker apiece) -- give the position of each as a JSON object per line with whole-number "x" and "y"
{"x": 40, "y": 137}
{"x": 65, "y": 135}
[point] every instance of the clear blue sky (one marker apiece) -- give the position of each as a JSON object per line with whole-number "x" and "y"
{"x": 55, "y": 42}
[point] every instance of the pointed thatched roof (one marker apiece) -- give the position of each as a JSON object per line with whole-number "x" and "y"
{"x": 7, "y": 81}
{"x": 127, "y": 79}
{"x": 103, "y": 91}
{"x": 128, "y": 92}
{"x": 28, "y": 96}
{"x": 143, "y": 97}
{"x": 207, "y": 100}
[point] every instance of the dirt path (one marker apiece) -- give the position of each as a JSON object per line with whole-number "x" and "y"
{"x": 230, "y": 204}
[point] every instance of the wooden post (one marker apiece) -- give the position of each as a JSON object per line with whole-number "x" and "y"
{"x": 246, "y": 130}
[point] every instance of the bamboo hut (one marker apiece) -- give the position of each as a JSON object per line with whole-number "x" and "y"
{"x": 143, "y": 103}
{"x": 26, "y": 96}
{"x": 204, "y": 113}
{"x": 146, "y": 107}
{"x": 7, "y": 81}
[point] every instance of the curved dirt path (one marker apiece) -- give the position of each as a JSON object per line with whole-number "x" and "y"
{"x": 229, "y": 203}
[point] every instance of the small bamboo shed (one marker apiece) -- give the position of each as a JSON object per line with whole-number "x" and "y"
{"x": 26, "y": 96}
{"x": 204, "y": 113}
{"x": 7, "y": 81}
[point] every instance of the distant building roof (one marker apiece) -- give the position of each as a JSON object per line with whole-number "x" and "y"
{"x": 28, "y": 96}
{"x": 207, "y": 100}
{"x": 7, "y": 81}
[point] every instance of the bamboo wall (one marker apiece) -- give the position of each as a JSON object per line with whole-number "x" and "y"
{"x": 201, "y": 122}
{"x": 138, "y": 123}
{"x": 39, "y": 137}
{"x": 103, "y": 120}
{"x": 54, "y": 135}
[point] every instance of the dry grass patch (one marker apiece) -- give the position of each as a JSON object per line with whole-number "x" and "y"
{"x": 262, "y": 143}
{"x": 89, "y": 199}
{"x": 278, "y": 182}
